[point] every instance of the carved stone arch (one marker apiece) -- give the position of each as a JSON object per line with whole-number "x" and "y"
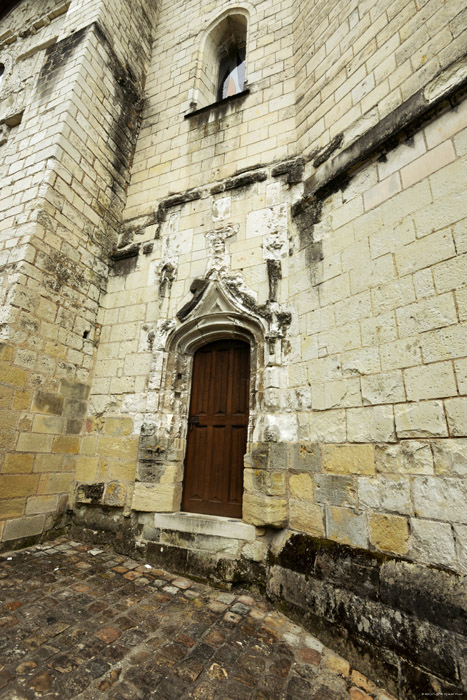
{"x": 218, "y": 315}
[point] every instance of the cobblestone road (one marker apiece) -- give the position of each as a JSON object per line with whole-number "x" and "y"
{"x": 83, "y": 622}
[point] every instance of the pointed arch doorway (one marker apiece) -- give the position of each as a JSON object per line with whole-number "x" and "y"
{"x": 217, "y": 429}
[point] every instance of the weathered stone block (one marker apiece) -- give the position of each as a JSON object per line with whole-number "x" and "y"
{"x": 388, "y": 493}
{"x": 450, "y": 457}
{"x": 13, "y": 375}
{"x": 328, "y": 426}
{"x": 46, "y": 402}
{"x": 34, "y": 442}
{"x": 389, "y": 533}
{"x": 407, "y": 457}
{"x": 460, "y": 532}
{"x": 8, "y": 420}
{"x": 41, "y": 504}
{"x": 346, "y": 526}
{"x": 114, "y": 494}
{"x": 432, "y": 542}
{"x": 157, "y": 498}
{"x": 335, "y": 490}
{"x": 371, "y": 424}
{"x": 456, "y": 412}
{"x": 48, "y": 463}
{"x": 89, "y": 493}
{"x": 265, "y": 482}
{"x": 306, "y": 517}
{"x": 301, "y": 486}
{"x": 74, "y": 390}
{"x": 305, "y": 456}
{"x": 23, "y": 527}
{"x": 423, "y": 419}
{"x": 88, "y": 445}
{"x": 47, "y": 424}
{"x": 443, "y": 499}
{"x": 119, "y": 426}
{"x": 262, "y": 510}
{"x": 55, "y": 483}
{"x": 7, "y": 394}
{"x": 348, "y": 459}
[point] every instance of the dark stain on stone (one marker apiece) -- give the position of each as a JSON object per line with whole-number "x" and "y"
{"x": 57, "y": 56}
{"x": 306, "y": 213}
{"x": 396, "y": 127}
{"x": 274, "y": 275}
{"x": 74, "y": 390}
{"x": 124, "y": 265}
{"x": 321, "y": 155}
{"x": 46, "y": 402}
{"x": 74, "y": 427}
{"x": 197, "y": 288}
{"x": 90, "y": 492}
{"x": 61, "y": 272}
{"x": 176, "y": 200}
{"x": 74, "y": 408}
{"x": 122, "y": 253}
{"x": 292, "y": 168}
{"x": 239, "y": 181}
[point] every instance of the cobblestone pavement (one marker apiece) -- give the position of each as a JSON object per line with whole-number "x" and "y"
{"x": 82, "y": 622}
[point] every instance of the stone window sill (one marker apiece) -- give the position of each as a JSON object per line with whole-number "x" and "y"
{"x": 219, "y": 104}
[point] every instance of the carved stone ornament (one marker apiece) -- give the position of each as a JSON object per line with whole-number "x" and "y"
{"x": 219, "y": 259}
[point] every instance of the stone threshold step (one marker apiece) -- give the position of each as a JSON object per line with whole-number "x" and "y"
{"x": 214, "y": 525}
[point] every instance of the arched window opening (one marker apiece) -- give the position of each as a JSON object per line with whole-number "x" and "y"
{"x": 222, "y": 70}
{"x": 2, "y": 71}
{"x": 231, "y": 73}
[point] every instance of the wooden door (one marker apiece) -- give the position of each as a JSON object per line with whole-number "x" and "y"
{"x": 217, "y": 429}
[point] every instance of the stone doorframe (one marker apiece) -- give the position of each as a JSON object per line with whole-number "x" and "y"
{"x": 218, "y": 315}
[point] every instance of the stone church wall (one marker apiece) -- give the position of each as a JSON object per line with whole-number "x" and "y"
{"x": 320, "y": 215}
{"x": 73, "y": 106}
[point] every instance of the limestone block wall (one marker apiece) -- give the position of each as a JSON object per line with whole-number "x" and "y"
{"x": 358, "y": 61}
{"x": 187, "y": 194}
{"x": 383, "y": 338}
{"x": 64, "y": 186}
{"x": 174, "y": 154}
{"x": 357, "y": 423}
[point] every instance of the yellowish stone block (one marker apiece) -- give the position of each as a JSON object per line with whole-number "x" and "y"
{"x": 261, "y": 510}
{"x": 348, "y": 459}
{"x": 16, "y": 463}
{"x": 66, "y": 444}
{"x": 157, "y": 498}
{"x": 87, "y": 468}
{"x": 13, "y": 487}
{"x": 119, "y": 426}
{"x": 22, "y": 400}
{"x": 301, "y": 486}
{"x": 12, "y": 507}
{"x": 389, "y": 533}
{"x": 13, "y": 375}
{"x": 55, "y": 483}
{"x": 119, "y": 471}
{"x": 123, "y": 448}
{"x": 306, "y": 517}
